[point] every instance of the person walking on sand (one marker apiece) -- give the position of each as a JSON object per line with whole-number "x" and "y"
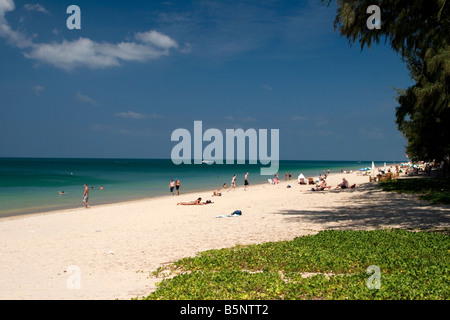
{"x": 233, "y": 183}
{"x": 246, "y": 182}
{"x": 86, "y": 195}
{"x": 177, "y": 186}
{"x": 172, "y": 186}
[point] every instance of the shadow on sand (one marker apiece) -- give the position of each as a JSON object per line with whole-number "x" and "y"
{"x": 368, "y": 207}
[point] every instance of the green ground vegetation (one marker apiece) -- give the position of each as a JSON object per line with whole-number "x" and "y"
{"x": 332, "y": 264}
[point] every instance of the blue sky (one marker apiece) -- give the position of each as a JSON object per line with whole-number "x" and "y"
{"x": 136, "y": 71}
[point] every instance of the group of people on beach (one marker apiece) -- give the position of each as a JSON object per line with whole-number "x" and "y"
{"x": 175, "y": 184}
{"x": 319, "y": 187}
{"x": 174, "y": 187}
{"x": 218, "y": 192}
{"x": 233, "y": 183}
{"x": 343, "y": 185}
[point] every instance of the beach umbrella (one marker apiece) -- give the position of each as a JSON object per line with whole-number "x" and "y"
{"x": 385, "y": 167}
{"x": 373, "y": 169}
{"x": 301, "y": 176}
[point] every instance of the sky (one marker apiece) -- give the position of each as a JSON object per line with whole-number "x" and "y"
{"x": 138, "y": 70}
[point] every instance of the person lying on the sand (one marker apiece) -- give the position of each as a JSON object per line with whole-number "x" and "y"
{"x": 191, "y": 203}
{"x": 217, "y": 193}
{"x": 320, "y": 187}
{"x": 197, "y": 202}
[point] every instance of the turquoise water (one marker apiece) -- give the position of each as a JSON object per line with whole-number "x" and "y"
{"x": 32, "y": 184}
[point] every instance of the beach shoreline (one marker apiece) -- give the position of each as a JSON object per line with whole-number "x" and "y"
{"x": 111, "y": 249}
{"x": 137, "y": 199}
{"x": 39, "y": 212}
{"x": 35, "y": 185}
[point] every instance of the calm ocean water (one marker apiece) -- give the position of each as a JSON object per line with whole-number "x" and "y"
{"x": 30, "y": 185}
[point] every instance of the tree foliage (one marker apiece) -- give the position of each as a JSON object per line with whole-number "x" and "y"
{"x": 420, "y": 31}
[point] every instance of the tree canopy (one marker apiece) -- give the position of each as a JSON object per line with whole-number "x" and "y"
{"x": 420, "y": 31}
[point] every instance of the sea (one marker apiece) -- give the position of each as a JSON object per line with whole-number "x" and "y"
{"x": 31, "y": 185}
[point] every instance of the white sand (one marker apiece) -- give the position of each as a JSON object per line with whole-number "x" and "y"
{"x": 115, "y": 247}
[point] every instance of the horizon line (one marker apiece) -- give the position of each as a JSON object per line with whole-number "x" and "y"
{"x": 157, "y": 158}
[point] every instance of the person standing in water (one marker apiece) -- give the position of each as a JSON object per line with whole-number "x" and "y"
{"x": 177, "y": 186}
{"x": 233, "y": 183}
{"x": 86, "y": 195}
{"x": 172, "y": 186}
{"x": 246, "y": 182}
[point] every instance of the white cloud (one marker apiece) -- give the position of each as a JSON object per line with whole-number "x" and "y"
{"x": 298, "y": 118}
{"x": 84, "y": 52}
{"x": 82, "y": 98}
{"x": 157, "y": 39}
{"x": 130, "y": 115}
{"x": 35, "y": 7}
{"x": 135, "y": 115}
{"x": 267, "y": 87}
{"x": 69, "y": 55}
{"x": 38, "y": 90}
{"x": 6, "y": 5}
{"x": 240, "y": 119}
{"x": 113, "y": 129}
{"x": 13, "y": 37}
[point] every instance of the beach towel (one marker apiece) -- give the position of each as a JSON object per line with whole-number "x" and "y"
{"x": 236, "y": 213}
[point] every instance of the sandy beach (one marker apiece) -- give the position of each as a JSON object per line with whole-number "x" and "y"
{"x": 108, "y": 251}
